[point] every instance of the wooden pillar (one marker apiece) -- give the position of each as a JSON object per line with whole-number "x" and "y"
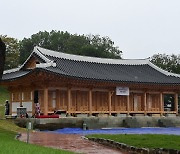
{"x": 115, "y": 102}
{"x": 32, "y": 99}
{"x": 145, "y": 104}
{"x": 90, "y": 102}
{"x": 46, "y": 101}
{"x": 57, "y": 99}
{"x": 109, "y": 101}
{"x": 128, "y": 105}
{"x": 21, "y": 98}
{"x": 176, "y": 102}
{"x": 161, "y": 103}
{"x": 69, "y": 102}
{"x": 10, "y": 103}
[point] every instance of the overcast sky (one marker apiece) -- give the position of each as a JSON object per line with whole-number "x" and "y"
{"x": 140, "y": 28}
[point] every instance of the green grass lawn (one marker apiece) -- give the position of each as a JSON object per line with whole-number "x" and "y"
{"x": 145, "y": 140}
{"x": 8, "y": 130}
{"x": 9, "y": 145}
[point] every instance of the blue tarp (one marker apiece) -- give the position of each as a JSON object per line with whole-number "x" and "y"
{"x": 149, "y": 130}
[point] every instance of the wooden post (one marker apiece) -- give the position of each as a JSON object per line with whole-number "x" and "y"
{"x": 176, "y": 102}
{"x": 109, "y": 101}
{"x": 69, "y": 102}
{"x": 161, "y": 103}
{"x": 10, "y": 103}
{"x": 21, "y": 98}
{"x": 145, "y": 104}
{"x": 32, "y": 99}
{"x": 128, "y": 106}
{"x": 46, "y": 101}
{"x": 57, "y": 99}
{"x": 90, "y": 102}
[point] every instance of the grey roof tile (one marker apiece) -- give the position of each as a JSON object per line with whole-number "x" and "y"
{"x": 136, "y": 71}
{"x": 111, "y": 72}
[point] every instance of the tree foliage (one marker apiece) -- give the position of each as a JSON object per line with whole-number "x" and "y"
{"x": 169, "y": 63}
{"x": 2, "y": 57}
{"x": 88, "y": 45}
{"x": 12, "y": 52}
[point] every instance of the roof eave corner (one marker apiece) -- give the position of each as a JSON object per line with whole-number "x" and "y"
{"x": 163, "y": 71}
{"x": 39, "y": 53}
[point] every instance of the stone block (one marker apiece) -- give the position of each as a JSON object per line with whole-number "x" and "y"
{"x": 63, "y": 115}
{"x": 102, "y": 115}
{"x": 173, "y": 151}
{"x": 82, "y": 115}
{"x": 145, "y": 151}
{"x": 170, "y": 115}
{"x": 156, "y": 115}
{"x": 139, "y": 115}
{"x": 121, "y": 115}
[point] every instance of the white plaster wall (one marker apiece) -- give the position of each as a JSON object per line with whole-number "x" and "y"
{"x": 14, "y": 107}
{"x": 28, "y": 106}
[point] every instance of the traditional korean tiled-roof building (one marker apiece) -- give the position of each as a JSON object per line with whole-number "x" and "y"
{"x": 80, "y": 84}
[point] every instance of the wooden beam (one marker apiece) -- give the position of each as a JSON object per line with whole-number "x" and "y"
{"x": 168, "y": 92}
{"x": 109, "y": 101}
{"x": 69, "y": 102}
{"x": 90, "y": 102}
{"x": 161, "y": 103}
{"x": 46, "y": 101}
{"x": 176, "y": 103}
{"x": 100, "y": 89}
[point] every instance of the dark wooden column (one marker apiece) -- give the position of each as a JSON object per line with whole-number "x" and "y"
{"x": 69, "y": 102}
{"x": 21, "y": 97}
{"x": 90, "y": 102}
{"x": 45, "y": 101}
{"x": 176, "y": 102}
{"x": 109, "y": 101}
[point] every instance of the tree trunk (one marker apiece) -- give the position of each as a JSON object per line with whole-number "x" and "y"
{"x": 2, "y": 57}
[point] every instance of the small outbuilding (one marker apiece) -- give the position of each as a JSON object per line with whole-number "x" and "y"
{"x": 86, "y": 85}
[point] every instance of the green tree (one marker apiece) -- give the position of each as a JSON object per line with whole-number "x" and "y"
{"x": 2, "y": 57}
{"x": 106, "y": 45}
{"x": 90, "y": 45}
{"x": 170, "y": 63}
{"x": 12, "y": 52}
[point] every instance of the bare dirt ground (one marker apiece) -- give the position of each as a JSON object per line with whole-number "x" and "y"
{"x": 71, "y": 142}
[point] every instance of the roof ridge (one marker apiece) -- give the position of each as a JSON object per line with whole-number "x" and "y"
{"x": 37, "y": 51}
{"x": 92, "y": 59}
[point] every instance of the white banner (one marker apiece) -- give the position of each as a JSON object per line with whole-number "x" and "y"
{"x": 122, "y": 91}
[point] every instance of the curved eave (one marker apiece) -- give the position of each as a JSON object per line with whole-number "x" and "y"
{"x": 86, "y": 79}
{"x": 17, "y": 77}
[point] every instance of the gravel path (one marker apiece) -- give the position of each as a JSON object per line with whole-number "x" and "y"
{"x": 75, "y": 143}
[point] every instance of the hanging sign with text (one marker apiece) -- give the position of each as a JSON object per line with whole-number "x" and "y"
{"x": 122, "y": 91}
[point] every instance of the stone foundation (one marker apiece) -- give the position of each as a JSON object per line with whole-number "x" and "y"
{"x": 132, "y": 149}
{"x": 100, "y": 122}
